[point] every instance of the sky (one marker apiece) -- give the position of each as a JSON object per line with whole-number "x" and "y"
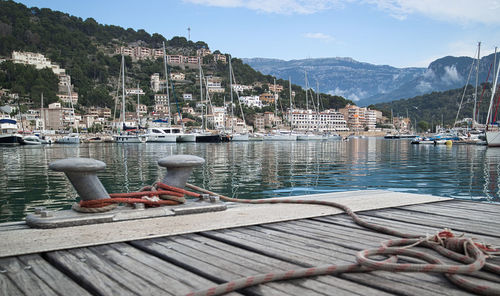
{"x": 399, "y": 33}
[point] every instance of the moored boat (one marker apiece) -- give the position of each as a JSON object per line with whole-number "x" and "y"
{"x": 8, "y": 132}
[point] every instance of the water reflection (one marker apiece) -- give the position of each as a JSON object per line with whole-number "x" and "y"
{"x": 256, "y": 170}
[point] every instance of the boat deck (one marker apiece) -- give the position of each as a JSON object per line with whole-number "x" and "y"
{"x": 166, "y": 256}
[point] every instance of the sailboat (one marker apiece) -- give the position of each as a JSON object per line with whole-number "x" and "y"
{"x": 308, "y": 136}
{"x": 38, "y": 138}
{"x": 492, "y": 129}
{"x": 71, "y": 138}
{"x": 127, "y": 135}
{"x": 283, "y": 135}
{"x": 237, "y": 137}
{"x": 205, "y": 136}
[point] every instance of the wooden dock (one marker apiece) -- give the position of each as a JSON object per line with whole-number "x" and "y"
{"x": 178, "y": 255}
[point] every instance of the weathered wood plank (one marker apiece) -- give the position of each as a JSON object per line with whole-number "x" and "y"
{"x": 221, "y": 266}
{"x": 47, "y": 273}
{"x": 466, "y": 214}
{"x": 311, "y": 257}
{"x": 22, "y": 276}
{"x": 438, "y": 221}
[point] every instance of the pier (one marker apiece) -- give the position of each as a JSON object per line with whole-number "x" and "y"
{"x": 180, "y": 254}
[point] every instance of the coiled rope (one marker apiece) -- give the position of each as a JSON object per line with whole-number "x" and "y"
{"x": 461, "y": 249}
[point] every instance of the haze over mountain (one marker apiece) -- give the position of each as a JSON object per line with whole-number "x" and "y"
{"x": 368, "y": 84}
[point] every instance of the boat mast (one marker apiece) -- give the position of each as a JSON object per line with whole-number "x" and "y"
{"x": 201, "y": 97}
{"x": 42, "y": 116}
{"x": 166, "y": 83}
{"x": 477, "y": 80}
{"x": 231, "y": 91}
{"x": 307, "y": 103}
{"x": 137, "y": 109}
{"x": 492, "y": 94}
{"x": 291, "y": 111}
{"x": 123, "y": 92}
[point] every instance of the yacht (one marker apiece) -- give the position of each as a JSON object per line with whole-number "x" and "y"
{"x": 72, "y": 138}
{"x": 8, "y": 131}
{"x": 162, "y": 135}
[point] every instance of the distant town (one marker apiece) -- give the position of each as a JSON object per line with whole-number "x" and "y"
{"x": 60, "y": 117}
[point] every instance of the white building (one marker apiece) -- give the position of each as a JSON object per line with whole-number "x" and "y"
{"x": 251, "y": 101}
{"x": 177, "y": 76}
{"x": 134, "y": 91}
{"x": 325, "y": 121}
{"x": 36, "y": 59}
{"x": 241, "y": 87}
{"x": 187, "y": 97}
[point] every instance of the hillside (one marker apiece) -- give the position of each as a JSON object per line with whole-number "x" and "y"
{"x": 86, "y": 49}
{"x": 438, "y": 108}
{"x": 368, "y": 84}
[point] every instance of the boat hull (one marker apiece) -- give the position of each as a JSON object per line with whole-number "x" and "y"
{"x": 185, "y": 138}
{"x": 287, "y": 137}
{"x": 239, "y": 138}
{"x": 125, "y": 139}
{"x": 11, "y": 140}
{"x": 161, "y": 138}
{"x": 493, "y": 138}
{"x": 208, "y": 138}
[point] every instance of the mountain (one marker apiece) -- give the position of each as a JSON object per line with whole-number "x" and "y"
{"x": 367, "y": 84}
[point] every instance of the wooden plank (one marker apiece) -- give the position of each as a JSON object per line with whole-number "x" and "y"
{"x": 439, "y": 221}
{"x": 486, "y": 207}
{"x": 455, "y": 212}
{"x": 229, "y": 262}
{"x": 47, "y": 273}
{"x": 45, "y": 240}
{"x": 387, "y": 281}
{"x": 147, "y": 268}
{"x": 97, "y": 275}
{"x": 221, "y": 265}
{"x": 7, "y": 287}
{"x": 23, "y": 278}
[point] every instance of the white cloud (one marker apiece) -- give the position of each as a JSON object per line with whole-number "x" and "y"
{"x": 275, "y": 6}
{"x": 320, "y": 36}
{"x": 451, "y": 75}
{"x": 424, "y": 86}
{"x": 463, "y": 11}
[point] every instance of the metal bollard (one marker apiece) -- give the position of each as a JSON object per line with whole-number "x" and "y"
{"x": 81, "y": 172}
{"x": 179, "y": 168}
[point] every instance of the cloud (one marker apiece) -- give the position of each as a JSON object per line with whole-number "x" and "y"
{"x": 320, "y": 36}
{"x": 451, "y": 75}
{"x": 275, "y": 6}
{"x": 462, "y": 11}
{"x": 424, "y": 86}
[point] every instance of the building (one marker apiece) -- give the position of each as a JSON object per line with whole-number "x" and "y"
{"x": 360, "y": 118}
{"x": 251, "y": 101}
{"x": 134, "y": 91}
{"x": 277, "y": 89}
{"x": 220, "y": 57}
{"x": 267, "y": 98}
{"x": 187, "y": 97}
{"x": 271, "y": 120}
{"x": 258, "y": 122}
{"x": 161, "y": 104}
{"x": 214, "y": 85}
{"x": 324, "y": 121}
{"x": 57, "y": 117}
{"x": 177, "y": 76}
{"x": 156, "y": 83}
{"x": 36, "y": 59}
{"x": 99, "y": 112}
{"x": 241, "y": 87}
{"x": 203, "y": 52}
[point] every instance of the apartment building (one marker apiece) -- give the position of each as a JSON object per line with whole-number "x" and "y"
{"x": 267, "y": 98}
{"x": 359, "y": 118}
{"x": 36, "y": 59}
{"x": 308, "y": 120}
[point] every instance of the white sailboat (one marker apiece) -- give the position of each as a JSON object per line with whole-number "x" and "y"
{"x": 71, "y": 138}
{"x": 283, "y": 135}
{"x": 492, "y": 128}
{"x": 308, "y": 135}
{"x": 126, "y": 136}
{"x": 237, "y": 137}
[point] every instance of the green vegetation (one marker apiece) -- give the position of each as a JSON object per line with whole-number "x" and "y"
{"x": 439, "y": 108}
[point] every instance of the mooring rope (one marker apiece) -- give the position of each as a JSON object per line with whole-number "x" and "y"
{"x": 148, "y": 195}
{"x": 465, "y": 250}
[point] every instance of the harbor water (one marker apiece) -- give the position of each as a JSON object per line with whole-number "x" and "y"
{"x": 256, "y": 170}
